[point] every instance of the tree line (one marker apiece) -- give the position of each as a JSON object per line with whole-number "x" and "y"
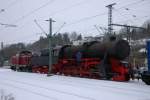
{"x": 43, "y": 43}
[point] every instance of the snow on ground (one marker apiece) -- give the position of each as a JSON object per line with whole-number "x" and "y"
{"x": 31, "y": 86}
{"x": 4, "y": 69}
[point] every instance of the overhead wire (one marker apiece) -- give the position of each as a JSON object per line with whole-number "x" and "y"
{"x": 69, "y": 7}
{"x": 46, "y": 4}
{"x": 132, "y": 19}
{"x": 40, "y": 27}
{"x": 9, "y": 5}
{"x": 104, "y": 13}
{"x": 87, "y": 18}
{"x": 83, "y": 19}
{"x": 32, "y": 12}
{"x": 78, "y": 21}
{"x": 60, "y": 28}
{"x": 91, "y": 17}
{"x": 121, "y": 14}
{"x": 130, "y": 4}
{"x": 6, "y": 8}
{"x": 133, "y": 15}
{"x": 8, "y": 25}
{"x": 97, "y": 29}
{"x": 35, "y": 10}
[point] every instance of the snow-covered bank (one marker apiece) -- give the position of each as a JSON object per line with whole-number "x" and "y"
{"x": 30, "y": 86}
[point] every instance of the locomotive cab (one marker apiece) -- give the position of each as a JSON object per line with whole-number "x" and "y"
{"x": 21, "y": 61}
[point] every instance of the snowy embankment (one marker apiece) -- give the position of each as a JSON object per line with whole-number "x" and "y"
{"x": 30, "y": 86}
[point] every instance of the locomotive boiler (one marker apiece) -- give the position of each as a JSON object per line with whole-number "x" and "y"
{"x": 119, "y": 49}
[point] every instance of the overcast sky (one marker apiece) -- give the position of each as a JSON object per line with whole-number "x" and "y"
{"x": 77, "y": 14}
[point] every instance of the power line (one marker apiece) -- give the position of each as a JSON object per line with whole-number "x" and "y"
{"x": 132, "y": 19}
{"x": 91, "y": 17}
{"x": 35, "y": 10}
{"x": 23, "y": 17}
{"x": 8, "y": 25}
{"x": 97, "y": 29}
{"x": 121, "y": 14}
{"x": 85, "y": 19}
{"x": 134, "y": 3}
{"x": 68, "y": 8}
{"x": 130, "y": 4}
{"x": 46, "y": 4}
{"x": 80, "y": 20}
{"x": 60, "y": 28}
{"x": 88, "y": 18}
{"x": 9, "y": 5}
{"x": 40, "y": 27}
{"x": 85, "y": 30}
{"x": 64, "y": 9}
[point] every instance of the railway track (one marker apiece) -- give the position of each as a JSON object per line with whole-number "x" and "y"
{"x": 90, "y": 86}
{"x": 80, "y": 82}
{"x": 30, "y": 85}
{"x": 27, "y": 90}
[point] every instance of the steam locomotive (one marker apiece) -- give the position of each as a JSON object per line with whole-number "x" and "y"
{"x": 100, "y": 60}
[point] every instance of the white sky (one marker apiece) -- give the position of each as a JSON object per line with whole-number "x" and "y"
{"x": 23, "y": 13}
